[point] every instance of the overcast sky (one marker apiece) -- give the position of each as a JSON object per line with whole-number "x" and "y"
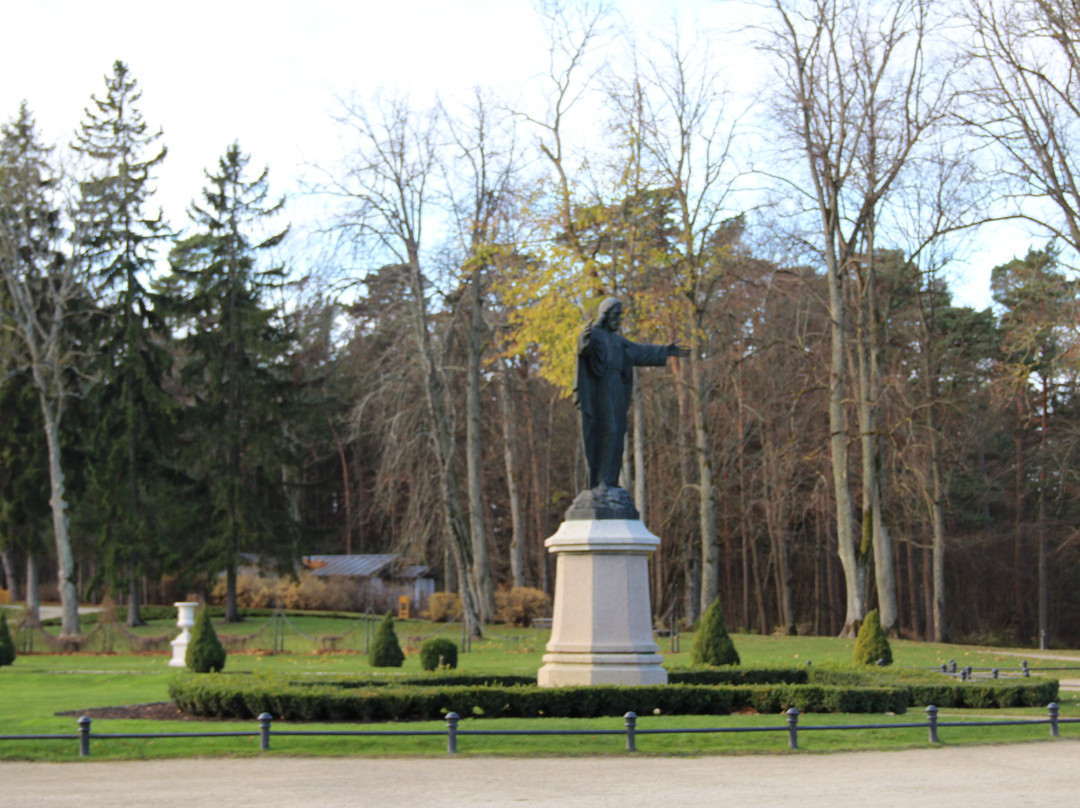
{"x": 268, "y": 74}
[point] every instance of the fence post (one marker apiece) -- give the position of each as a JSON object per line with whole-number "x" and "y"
{"x": 631, "y": 727}
{"x": 994, "y": 673}
{"x": 793, "y": 728}
{"x": 1024, "y": 668}
{"x": 264, "y": 731}
{"x": 931, "y": 722}
{"x": 451, "y": 733}
{"x": 952, "y": 666}
{"x": 1052, "y": 710}
{"x": 84, "y": 736}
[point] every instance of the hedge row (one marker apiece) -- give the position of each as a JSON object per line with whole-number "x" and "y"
{"x": 232, "y": 696}
{"x": 934, "y": 688}
{"x": 678, "y": 676}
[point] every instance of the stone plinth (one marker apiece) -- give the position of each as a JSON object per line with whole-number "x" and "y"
{"x": 601, "y": 628}
{"x": 186, "y": 621}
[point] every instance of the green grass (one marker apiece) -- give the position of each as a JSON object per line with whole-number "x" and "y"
{"x": 38, "y": 686}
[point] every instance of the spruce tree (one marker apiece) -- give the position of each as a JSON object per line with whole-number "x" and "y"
{"x": 130, "y": 411}
{"x": 385, "y": 649}
{"x": 233, "y": 368}
{"x": 871, "y": 644}
{"x": 712, "y": 644}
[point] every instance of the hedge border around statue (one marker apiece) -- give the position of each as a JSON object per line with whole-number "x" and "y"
{"x": 284, "y": 697}
{"x": 226, "y": 696}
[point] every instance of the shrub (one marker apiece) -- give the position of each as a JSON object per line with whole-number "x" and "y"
{"x": 518, "y": 606}
{"x": 712, "y": 645}
{"x": 871, "y": 643}
{"x": 442, "y": 607}
{"x": 7, "y": 644}
{"x": 385, "y": 648}
{"x": 205, "y": 652}
{"x": 438, "y": 652}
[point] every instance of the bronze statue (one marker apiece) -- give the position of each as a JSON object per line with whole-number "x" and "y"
{"x": 602, "y": 386}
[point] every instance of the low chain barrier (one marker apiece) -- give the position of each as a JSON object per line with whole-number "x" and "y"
{"x": 630, "y": 730}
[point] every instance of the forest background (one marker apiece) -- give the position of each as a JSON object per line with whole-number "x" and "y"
{"x": 395, "y": 375}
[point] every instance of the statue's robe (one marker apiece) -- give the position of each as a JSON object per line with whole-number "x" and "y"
{"x": 602, "y": 390}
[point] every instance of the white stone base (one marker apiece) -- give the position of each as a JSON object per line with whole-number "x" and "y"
{"x": 601, "y": 628}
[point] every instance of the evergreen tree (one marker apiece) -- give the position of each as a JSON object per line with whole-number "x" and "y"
{"x": 205, "y": 653}
{"x": 871, "y": 644}
{"x": 233, "y": 370}
{"x": 131, "y": 413}
{"x": 7, "y": 644}
{"x": 385, "y": 649}
{"x": 712, "y": 643}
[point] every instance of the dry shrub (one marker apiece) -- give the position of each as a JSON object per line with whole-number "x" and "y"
{"x": 442, "y": 607}
{"x": 307, "y": 592}
{"x": 521, "y": 605}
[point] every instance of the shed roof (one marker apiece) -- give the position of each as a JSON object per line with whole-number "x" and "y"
{"x": 362, "y": 566}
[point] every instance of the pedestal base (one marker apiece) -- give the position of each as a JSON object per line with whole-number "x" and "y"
{"x": 601, "y": 628}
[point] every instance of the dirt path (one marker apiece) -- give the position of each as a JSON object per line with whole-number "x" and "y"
{"x": 1044, "y": 774}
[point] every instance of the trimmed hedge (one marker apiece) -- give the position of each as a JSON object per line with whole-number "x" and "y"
{"x": 234, "y": 696}
{"x": 438, "y": 653}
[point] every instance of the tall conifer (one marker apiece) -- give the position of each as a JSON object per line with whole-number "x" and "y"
{"x": 233, "y": 372}
{"x": 130, "y": 410}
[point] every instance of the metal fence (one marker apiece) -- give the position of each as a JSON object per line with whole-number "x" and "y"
{"x": 630, "y": 730}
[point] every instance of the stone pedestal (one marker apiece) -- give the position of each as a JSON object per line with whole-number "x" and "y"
{"x": 186, "y": 621}
{"x": 601, "y": 628}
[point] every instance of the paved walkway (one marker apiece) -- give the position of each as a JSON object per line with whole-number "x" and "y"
{"x": 1044, "y": 774}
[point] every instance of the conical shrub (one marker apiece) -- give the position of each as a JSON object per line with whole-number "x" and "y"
{"x": 205, "y": 652}
{"x": 7, "y": 644}
{"x": 385, "y": 649}
{"x": 712, "y": 645}
{"x": 871, "y": 644}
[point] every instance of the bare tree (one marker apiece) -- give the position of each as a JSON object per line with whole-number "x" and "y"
{"x": 857, "y": 97}
{"x": 386, "y": 191}
{"x": 46, "y": 294}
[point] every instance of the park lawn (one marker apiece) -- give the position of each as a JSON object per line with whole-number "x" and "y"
{"x": 38, "y": 686}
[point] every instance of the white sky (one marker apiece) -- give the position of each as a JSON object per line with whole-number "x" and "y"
{"x": 267, "y": 73}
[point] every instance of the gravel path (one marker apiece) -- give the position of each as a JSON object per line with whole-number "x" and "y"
{"x": 1044, "y": 774}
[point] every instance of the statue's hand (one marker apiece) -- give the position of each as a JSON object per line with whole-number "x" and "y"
{"x": 675, "y": 349}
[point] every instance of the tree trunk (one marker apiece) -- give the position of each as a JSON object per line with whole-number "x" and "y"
{"x": 517, "y": 520}
{"x": 33, "y": 593}
{"x": 10, "y": 575}
{"x": 65, "y": 562}
{"x": 710, "y": 542}
{"x": 480, "y": 570}
{"x": 852, "y": 557}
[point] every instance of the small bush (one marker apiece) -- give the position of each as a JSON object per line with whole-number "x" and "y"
{"x": 712, "y": 644}
{"x": 871, "y": 643}
{"x": 385, "y": 648}
{"x": 7, "y": 644}
{"x": 518, "y": 606}
{"x": 205, "y": 652}
{"x": 438, "y": 652}
{"x": 442, "y": 607}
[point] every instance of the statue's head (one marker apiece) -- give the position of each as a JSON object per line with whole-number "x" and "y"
{"x": 609, "y": 314}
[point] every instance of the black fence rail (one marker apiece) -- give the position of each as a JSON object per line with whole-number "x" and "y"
{"x": 630, "y": 730}
{"x": 970, "y": 672}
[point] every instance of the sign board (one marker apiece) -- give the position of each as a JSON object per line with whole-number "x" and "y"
{"x": 403, "y": 607}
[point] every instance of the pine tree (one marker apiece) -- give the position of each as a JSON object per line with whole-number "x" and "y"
{"x": 385, "y": 649}
{"x": 233, "y": 369}
{"x": 871, "y": 644}
{"x": 712, "y": 644}
{"x": 131, "y": 413}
